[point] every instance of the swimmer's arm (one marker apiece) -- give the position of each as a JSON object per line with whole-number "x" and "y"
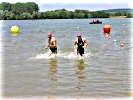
{"x": 85, "y": 44}
{"x": 47, "y": 46}
{"x": 75, "y": 44}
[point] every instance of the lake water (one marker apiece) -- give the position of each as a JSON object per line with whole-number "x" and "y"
{"x": 105, "y": 71}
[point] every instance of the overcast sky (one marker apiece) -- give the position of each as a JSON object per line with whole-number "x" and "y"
{"x": 77, "y": 4}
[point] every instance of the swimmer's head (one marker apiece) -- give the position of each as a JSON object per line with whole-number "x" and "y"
{"x": 49, "y": 34}
{"x": 79, "y": 34}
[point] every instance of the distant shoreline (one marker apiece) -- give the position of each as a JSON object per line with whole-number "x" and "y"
{"x": 30, "y": 11}
{"x": 117, "y": 16}
{"x": 114, "y": 17}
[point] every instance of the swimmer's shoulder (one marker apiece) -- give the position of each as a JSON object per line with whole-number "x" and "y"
{"x": 53, "y": 39}
{"x": 83, "y": 39}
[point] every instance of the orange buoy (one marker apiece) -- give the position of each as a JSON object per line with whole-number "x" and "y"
{"x": 106, "y": 31}
{"x": 107, "y": 28}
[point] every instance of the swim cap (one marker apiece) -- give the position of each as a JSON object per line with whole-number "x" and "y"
{"x": 49, "y": 34}
{"x": 79, "y": 34}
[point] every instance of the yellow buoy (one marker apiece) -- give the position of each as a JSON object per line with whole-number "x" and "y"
{"x": 14, "y": 30}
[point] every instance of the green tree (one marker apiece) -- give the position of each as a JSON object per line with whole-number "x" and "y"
{"x": 99, "y": 14}
{"x": 31, "y": 7}
{"x": 129, "y": 15}
{"x": 118, "y": 14}
{"x": 26, "y": 15}
{"x": 19, "y": 8}
{"x": 5, "y": 6}
{"x": 79, "y": 15}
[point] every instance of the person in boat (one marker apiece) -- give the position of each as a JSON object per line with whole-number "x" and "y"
{"x": 80, "y": 43}
{"x": 52, "y": 43}
{"x": 97, "y": 21}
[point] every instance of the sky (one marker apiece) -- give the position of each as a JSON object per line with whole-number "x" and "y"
{"x": 78, "y": 4}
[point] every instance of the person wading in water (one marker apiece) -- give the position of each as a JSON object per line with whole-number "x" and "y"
{"x": 51, "y": 44}
{"x": 80, "y": 43}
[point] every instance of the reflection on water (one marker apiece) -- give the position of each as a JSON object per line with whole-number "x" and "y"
{"x": 52, "y": 71}
{"x": 80, "y": 65}
{"x": 80, "y": 73}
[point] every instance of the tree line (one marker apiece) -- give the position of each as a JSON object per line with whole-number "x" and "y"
{"x": 30, "y": 10}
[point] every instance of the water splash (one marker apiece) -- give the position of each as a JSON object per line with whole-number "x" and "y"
{"x": 65, "y": 55}
{"x": 45, "y": 56}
